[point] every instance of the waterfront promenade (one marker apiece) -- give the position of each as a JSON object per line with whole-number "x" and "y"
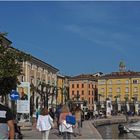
{"x": 115, "y": 120}
{"x": 88, "y": 132}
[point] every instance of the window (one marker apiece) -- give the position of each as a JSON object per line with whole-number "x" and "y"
{"x": 82, "y": 92}
{"x": 37, "y": 68}
{"x": 127, "y": 89}
{"x": 31, "y": 66}
{"x": 89, "y": 100}
{"x": 89, "y": 85}
{"x": 31, "y": 80}
{"x": 110, "y": 82}
{"x": 77, "y": 85}
{"x": 102, "y": 82}
{"x": 72, "y": 92}
{"x": 135, "y": 81}
{"x": 102, "y": 90}
{"x": 82, "y": 85}
{"x": 92, "y": 100}
{"x": 72, "y": 85}
{"x": 118, "y": 90}
{"x": 82, "y": 98}
{"x": 118, "y": 81}
{"x": 127, "y": 81}
{"x": 89, "y": 92}
{"x": 77, "y": 92}
{"x": 110, "y": 89}
{"x": 135, "y": 89}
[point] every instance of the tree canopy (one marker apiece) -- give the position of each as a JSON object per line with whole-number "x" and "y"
{"x": 10, "y": 67}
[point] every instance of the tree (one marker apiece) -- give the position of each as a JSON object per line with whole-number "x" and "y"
{"x": 10, "y": 67}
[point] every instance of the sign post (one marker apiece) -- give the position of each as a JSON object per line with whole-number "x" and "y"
{"x": 23, "y": 104}
{"x": 14, "y": 95}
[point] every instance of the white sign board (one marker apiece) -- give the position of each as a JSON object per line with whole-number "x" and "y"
{"x": 23, "y": 106}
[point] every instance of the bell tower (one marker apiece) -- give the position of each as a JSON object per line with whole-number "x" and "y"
{"x": 122, "y": 66}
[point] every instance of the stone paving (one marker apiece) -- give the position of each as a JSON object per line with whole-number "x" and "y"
{"x": 88, "y": 132}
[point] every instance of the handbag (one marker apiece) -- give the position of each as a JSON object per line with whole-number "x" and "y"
{"x": 70, "y": 119}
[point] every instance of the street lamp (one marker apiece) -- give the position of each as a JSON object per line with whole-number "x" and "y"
{"x": 99, "y": 102}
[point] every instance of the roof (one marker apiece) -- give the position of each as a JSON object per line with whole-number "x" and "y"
{"x": 7, "y": 41}
{"x": 91, "y": 77}
{"x": 44, "y": 64}
{"x": 33, "y": 59}
{"x": 126, "y": 74}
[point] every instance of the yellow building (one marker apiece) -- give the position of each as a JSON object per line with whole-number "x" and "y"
{"x": 119, "y": 84}
{"x": 62, "y": 89}
{"x": 123, "y": 85}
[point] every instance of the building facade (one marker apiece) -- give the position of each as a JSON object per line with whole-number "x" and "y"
{"x": 122, "y": 87}
{"x": 36, "y": 72}
{"x": 83, "y": 87}
{"x": 62, "y": 89}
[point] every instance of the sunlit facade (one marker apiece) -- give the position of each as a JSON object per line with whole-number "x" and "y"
{"x": 120, "y": 84}
{"x": 35, "y": 71}
{"x": 84, "y": 86}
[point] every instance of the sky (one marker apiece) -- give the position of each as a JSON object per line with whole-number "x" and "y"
{"x": 75, "y": 37}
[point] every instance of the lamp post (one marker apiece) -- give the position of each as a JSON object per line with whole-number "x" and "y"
{"x": 115, "y": 104}
{"x": 99, "y": 102}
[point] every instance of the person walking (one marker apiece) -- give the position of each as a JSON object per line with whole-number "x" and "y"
{"x": 64, "y": 127}
{"x": 57, "y": 113}
{"x": 78, "y": 116}
{"x": 51, "y": 113}
{"x": 44, "y": 123}
{"x": 6, "y": 121}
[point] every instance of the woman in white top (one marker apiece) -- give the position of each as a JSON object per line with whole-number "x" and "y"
{"x": 44, "y": 123}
